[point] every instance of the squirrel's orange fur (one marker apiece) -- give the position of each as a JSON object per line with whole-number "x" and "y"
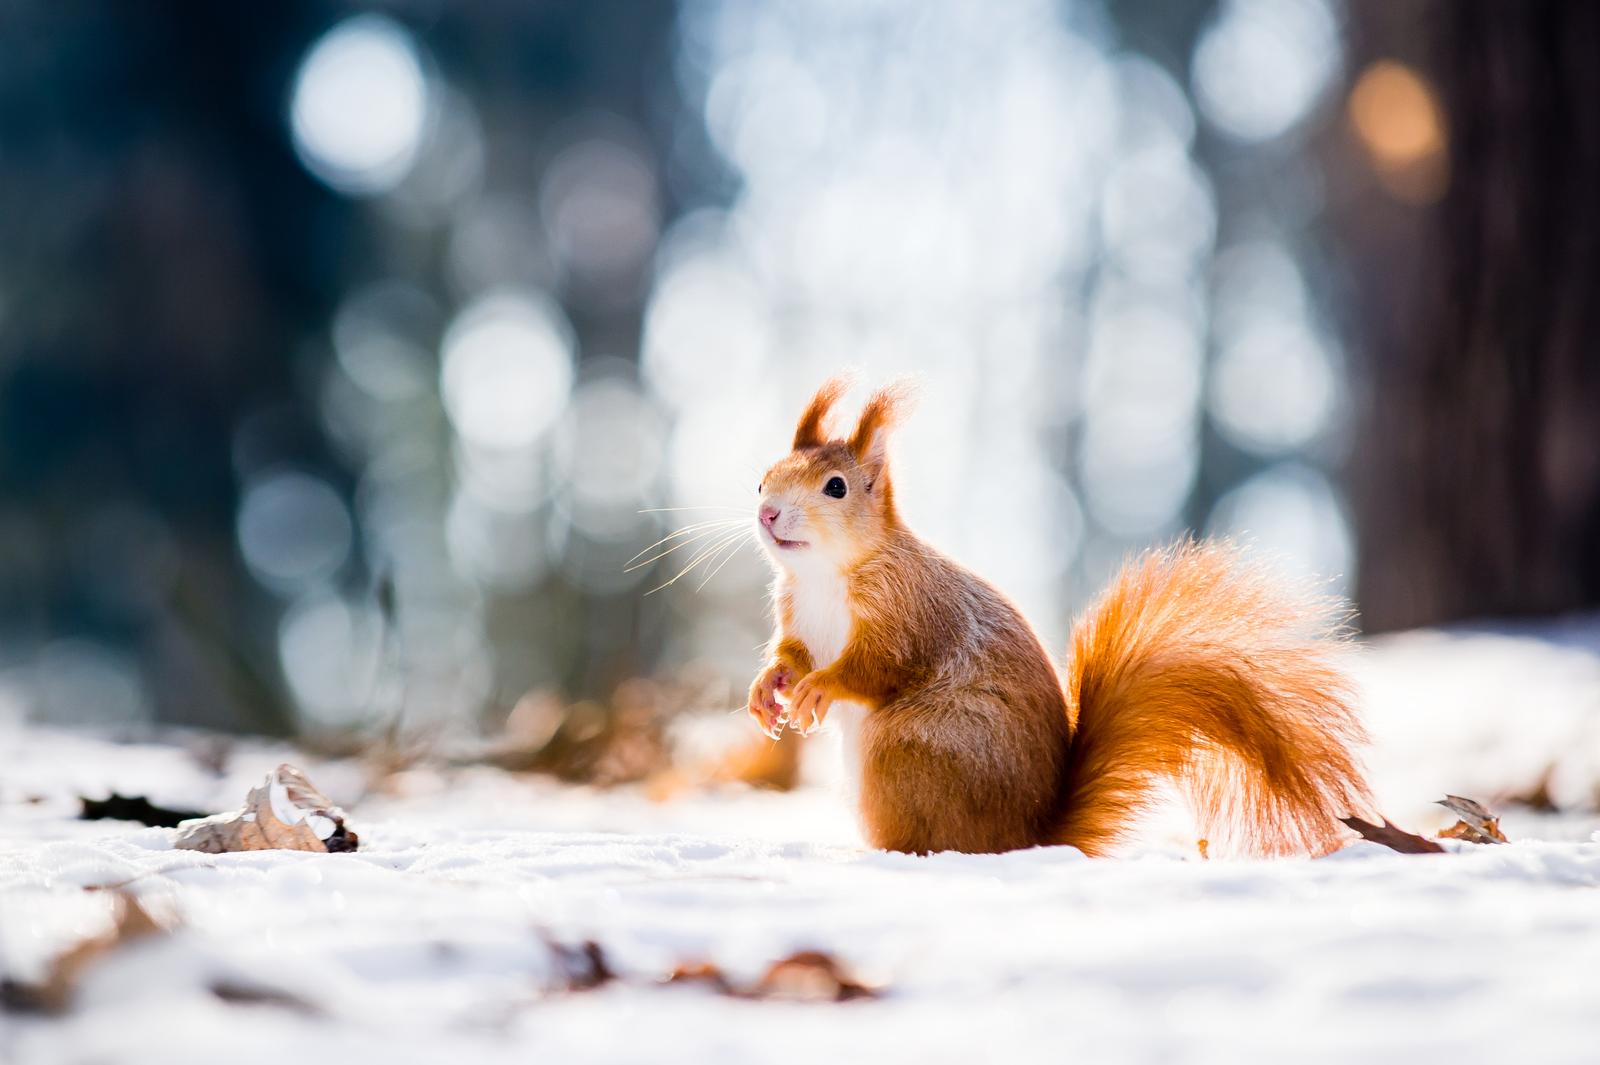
{"x": 1191, "y": 670}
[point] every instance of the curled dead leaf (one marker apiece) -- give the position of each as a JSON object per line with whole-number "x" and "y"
{"x": 284, "y": 812}
{"x": 1477, "y": 824}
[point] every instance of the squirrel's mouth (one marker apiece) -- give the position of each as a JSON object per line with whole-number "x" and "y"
{"x": 782, "y": 544}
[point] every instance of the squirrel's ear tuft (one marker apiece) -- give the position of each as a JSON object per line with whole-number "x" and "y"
{"x": 886, "y": 408}
{"x": 811, "y": 431}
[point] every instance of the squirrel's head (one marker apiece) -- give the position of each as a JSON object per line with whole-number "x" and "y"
{"x": 828, "y": 503}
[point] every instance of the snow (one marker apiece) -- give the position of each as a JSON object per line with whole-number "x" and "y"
{"x": 431, "y": 943}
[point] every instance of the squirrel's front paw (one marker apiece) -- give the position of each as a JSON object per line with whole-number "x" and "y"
{"x": 809, "y": 703}
{"x": 764, "y": 698}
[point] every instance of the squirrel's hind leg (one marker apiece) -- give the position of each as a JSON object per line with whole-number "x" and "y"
{"x": 946, "y": 772}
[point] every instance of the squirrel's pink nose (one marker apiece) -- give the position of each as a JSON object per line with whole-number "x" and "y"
{"x": 769, "y": 515}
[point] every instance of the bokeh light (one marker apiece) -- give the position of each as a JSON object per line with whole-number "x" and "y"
{"x": 498, "y": 549}
{"x": 376, "y": 340}
{"x": 1273, "y": 385}
{"x": 1396, "y": 114}
{"x": 293, "y": 529}
{"x": 359, "y": 107}
{"x": 1291, "y": 516}
{"x": 1157, "y": 215}
{"x": 1399, "y": 120}
{"x": 327, "y": 649}
{"x": 506, "y": 368}
{"x": 613, "y": 447}
{"x": 1263, "y": 65}
{"x": 599, "y": 206}
{"x": 1141, "y": 387}
{"x": 707, "y": 329}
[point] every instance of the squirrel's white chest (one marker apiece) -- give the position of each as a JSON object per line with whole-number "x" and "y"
{"x": 820, "y": 618}
{"x": 819, "y": 609}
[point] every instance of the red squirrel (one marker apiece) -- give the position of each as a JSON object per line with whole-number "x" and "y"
{"x": 1191, "y": 670}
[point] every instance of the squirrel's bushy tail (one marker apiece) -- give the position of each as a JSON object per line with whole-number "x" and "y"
{"x": 1196, "y": 670}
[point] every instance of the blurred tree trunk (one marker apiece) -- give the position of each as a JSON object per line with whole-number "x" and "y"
{"x": 1477, "y": 473}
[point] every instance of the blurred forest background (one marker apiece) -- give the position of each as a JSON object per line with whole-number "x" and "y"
{"x": 348, "y": 352}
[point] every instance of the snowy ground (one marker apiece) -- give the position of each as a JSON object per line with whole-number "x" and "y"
{"x": 431, "y": 943}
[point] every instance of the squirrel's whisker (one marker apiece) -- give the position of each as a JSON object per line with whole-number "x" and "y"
{"x": 698, "y": 538}
{"x": 738, "y": 542}
{"x": 639, "y": 561}
{"x": 714, "y": 565}
{"x": 693, "y": 532}
{"x": 691, "y": 527}
{"x": 700, "y": 556}
{"x": 694, "y": 563}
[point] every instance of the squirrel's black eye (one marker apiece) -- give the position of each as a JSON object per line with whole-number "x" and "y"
{"x": 835, "y": 487}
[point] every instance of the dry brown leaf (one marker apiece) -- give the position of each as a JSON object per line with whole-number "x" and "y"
{"x": 1477, "y": 824}
{"x": 285, "y": 812}
{"x": 808, "y": 976}
{"x": 1463, "y": 831}
{"x": 238, "y": 994}
{"x": 580, "y": 968}
{"x": 811, "y": 976}
{"x": 702, "y": 973}
{"x": 1537, "y": 797}
{"x": 1393, "y": 837}
{"x": 131, "y": 922}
